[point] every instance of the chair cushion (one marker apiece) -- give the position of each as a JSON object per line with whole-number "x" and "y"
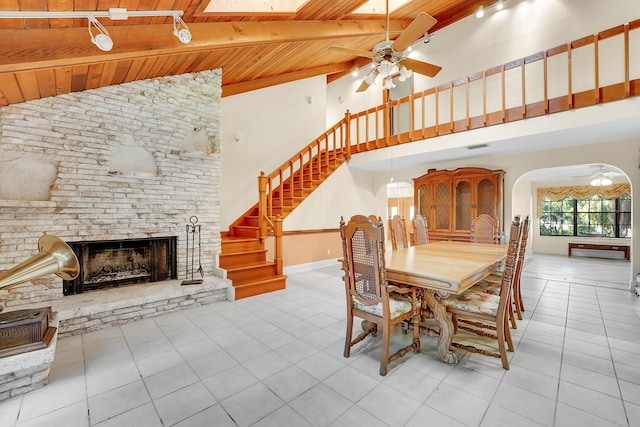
{"x": 474, "y": 302}
{"x": 488, "y": 287}
{"x": 496, "y": 277}
{"x": 397, "y": 307}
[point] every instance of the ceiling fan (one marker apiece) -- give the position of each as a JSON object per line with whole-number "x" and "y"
{"x": 387, "y": 56}
{"x": 601, "y": 175}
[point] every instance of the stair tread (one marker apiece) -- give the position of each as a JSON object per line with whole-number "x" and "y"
{"x": 257, "y": 251}
{"x": 234, "y": 239}
{"x": 261, "y": 281}
{"x": 250, "y": 265}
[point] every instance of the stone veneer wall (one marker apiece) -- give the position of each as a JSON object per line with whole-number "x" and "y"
{"x": 127, "y": 161}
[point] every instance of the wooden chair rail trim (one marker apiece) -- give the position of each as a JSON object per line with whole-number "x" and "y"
{"x": 317, "y": 231}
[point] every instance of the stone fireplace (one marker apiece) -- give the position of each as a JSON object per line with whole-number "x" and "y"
{"x": 125, "y": 166}
{"x": 113, "y": 263}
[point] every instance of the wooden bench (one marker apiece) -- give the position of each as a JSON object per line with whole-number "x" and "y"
{"x": 601, "y": 247}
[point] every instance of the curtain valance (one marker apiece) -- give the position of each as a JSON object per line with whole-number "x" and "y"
{"x": 581, "y": 192}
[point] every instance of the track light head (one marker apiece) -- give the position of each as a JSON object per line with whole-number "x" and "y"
{"x": 180, "y": 30}
{"x": 101, "y": 39}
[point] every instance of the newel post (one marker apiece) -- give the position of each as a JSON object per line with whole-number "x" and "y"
{"x": 347, "y": 133}
{"x": 262, "y": 205}
{"x": 277, "y": 232}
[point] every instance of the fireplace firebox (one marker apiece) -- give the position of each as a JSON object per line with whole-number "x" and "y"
{"x": 112, "y": 263}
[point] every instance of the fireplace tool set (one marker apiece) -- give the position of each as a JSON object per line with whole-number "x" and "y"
{"x": 192, "y": 229}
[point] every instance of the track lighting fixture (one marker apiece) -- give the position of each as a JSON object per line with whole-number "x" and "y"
{"x": 480, "y": 12}
{"x": 180, "y": 30}
{"x": 98, "y": 33}
{"x": 101, "y": 39}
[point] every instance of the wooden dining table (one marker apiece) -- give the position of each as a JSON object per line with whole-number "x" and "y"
{"x": 441, "y": 268}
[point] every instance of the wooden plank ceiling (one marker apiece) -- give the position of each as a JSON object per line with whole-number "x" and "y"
{"x": 46, "y": 57}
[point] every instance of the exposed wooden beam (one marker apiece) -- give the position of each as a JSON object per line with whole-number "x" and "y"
{"x": 353, "y": 65}
{"x": 237, "y": 88}
{"x": 30, "y": 49}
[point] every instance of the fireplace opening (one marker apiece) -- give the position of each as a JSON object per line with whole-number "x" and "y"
{"x": 112, "y": 263}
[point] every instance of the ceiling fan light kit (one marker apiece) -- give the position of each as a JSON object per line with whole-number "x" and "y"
{"x": 97, "y": 32}
{"x": 601, "y": 181}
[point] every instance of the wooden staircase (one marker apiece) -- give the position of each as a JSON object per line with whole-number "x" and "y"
{"x": 243, "y": 251}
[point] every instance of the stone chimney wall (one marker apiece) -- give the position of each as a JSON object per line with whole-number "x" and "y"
{"x": 127, "y": 161}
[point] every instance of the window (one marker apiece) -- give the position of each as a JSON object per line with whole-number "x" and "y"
{"x": 557, "y": 218}
{"x": 592, "y": 217}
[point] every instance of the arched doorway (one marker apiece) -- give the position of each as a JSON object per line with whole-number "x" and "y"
{"x": 587, "y": 205}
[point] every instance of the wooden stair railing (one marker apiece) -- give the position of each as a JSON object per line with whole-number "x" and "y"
{"x": 243, "y": 253}
{"x": 530, "y": 96}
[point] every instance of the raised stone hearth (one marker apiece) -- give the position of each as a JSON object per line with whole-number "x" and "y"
{"x": 103, "y": 308}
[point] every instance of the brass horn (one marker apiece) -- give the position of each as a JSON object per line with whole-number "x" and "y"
{"x": 55, "y": 257}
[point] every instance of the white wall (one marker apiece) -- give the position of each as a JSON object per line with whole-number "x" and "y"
{"x": 261, "y": 130}
{"x": 347, "y": 192}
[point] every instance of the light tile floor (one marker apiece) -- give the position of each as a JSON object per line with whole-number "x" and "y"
{"x": 276, "y": 360}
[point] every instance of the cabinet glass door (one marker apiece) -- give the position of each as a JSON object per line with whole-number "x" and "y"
{"x": 485, "y": 198}
{"x": 443, "y": 206}
{"x": 424, "y": 202}
{"x": 463, "y": 206}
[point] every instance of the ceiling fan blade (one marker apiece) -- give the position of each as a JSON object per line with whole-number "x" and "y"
{"x": 423, "y": 68}
{"x": 364, "y": 86}
{"x": 414, "y": 31}
{"x": 371, "y": 77}
{"x": 356, "y": 52}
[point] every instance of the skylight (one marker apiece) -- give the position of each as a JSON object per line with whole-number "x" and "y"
{"x": 379, "y": 7}
{"x": 254, "y": 6}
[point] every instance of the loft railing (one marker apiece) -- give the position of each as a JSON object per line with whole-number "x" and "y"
{"x": 599, "y": 68}
{"x": 595, "y": 69}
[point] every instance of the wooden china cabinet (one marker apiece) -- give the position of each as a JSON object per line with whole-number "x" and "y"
{"x": 451, "y": 199}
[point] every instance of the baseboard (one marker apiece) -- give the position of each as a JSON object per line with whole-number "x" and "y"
{"x": 310, "y": 266}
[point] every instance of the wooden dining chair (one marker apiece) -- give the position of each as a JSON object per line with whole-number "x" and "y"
{"x": 484, "y": 229}
{"x": 487, "y": 308}
{"x": 491, "y": 284}
{"x": 421, "y": 236}
{"x": 369, "y": 295}
{"x": 398, "y": 233}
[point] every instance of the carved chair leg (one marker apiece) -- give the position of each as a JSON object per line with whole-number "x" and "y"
{"x": 512, "y": 316}
{"x": 384, "y": 357}
{"x": 347, "y": 341}
{"x": 507, "y": 333}
{"x": 503, "y": 335}
{"x": 416, "y": 333}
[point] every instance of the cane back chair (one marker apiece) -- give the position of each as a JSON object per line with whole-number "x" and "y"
{"x": 484, "y": 229}
{"x": 369, "y": 295}
{"x": 421, "y": 236}
{"x": 398, "y": 233}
